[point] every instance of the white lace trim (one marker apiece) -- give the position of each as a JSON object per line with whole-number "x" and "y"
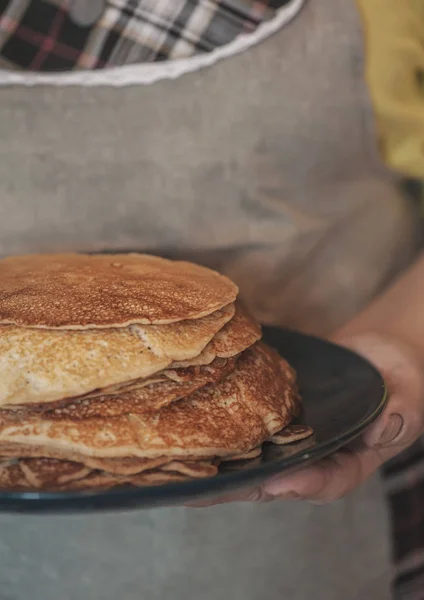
{"x": 148, "y": 73}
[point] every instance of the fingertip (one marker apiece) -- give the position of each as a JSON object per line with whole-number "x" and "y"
{"x": 305, "y": 484}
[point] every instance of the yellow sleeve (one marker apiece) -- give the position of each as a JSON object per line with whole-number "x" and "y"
{"x": 394, "y": 40}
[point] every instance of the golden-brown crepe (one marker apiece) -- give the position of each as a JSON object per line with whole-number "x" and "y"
{"x": 290, "y": 434}
{"x": 136, "y": 397}
{"x": 79, "y": 291}
{"x": 38, "y": 366}
{"x": 239, "y": 333}
{"x": 48, "y": 472}
{"x": 113, "y": 466}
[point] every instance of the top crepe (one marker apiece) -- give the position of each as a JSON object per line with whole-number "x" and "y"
{"x": 77, "y": 291}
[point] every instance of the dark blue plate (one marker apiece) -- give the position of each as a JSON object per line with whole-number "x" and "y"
{"x": 342, "y": 395}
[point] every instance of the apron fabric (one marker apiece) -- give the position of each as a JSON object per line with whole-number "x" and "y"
{"x": 254, "y": 167}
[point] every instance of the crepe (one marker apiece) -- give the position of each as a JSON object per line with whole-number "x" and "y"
{"x": 232, "y": 417}
{"x": 193, "y": 469}
{"x": 291, "y": 434}
{"x": 136, "y": 397}
{"x": 239, "y": 333}
{"x": 105, "y": 481}
{"x": 77, "y": 291}
{"x": 47, "y": 474}
{"x": 35, "y": 470}
{"x": 123, "y": 466}
{"x": 38, "y": 366}
{"x": 114, "y": 466}
{"x": 87, "y": 473}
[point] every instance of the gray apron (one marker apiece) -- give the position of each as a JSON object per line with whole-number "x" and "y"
{"x": 265, "y": 167}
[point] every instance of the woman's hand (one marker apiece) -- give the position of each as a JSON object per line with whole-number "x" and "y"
{"x": 402, "y": 422}
{"x": 402, "y": 366}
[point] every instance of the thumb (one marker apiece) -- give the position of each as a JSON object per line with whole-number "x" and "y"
{"x": 401, "y": 367}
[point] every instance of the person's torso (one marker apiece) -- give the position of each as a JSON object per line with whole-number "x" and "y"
{"x": 263, "y": 165}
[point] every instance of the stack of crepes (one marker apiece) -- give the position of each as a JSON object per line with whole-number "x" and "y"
{"x": 130, "y": 370}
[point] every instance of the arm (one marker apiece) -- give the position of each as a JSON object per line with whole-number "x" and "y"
{"x": 399, "y": 312}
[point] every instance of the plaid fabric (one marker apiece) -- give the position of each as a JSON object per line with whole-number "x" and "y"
{"x": 50, "y": 35}
{"x": 405, "y": 487}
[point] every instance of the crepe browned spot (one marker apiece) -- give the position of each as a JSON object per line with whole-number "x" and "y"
{"x": 77, "y": 291}
{"x": 11, "y": 476}
{"x": 47, "y": 472}
{"x": 136, "y": 399}
{"x": 38, "y": 366}
{"x": 232, "y": 417}
{"x": 291, "y": 433}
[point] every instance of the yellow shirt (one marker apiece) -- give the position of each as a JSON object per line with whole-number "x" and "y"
{"x": 394, "y": 38}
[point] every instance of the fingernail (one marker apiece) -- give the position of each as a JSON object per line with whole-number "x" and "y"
{"x": 391, "y": 431}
